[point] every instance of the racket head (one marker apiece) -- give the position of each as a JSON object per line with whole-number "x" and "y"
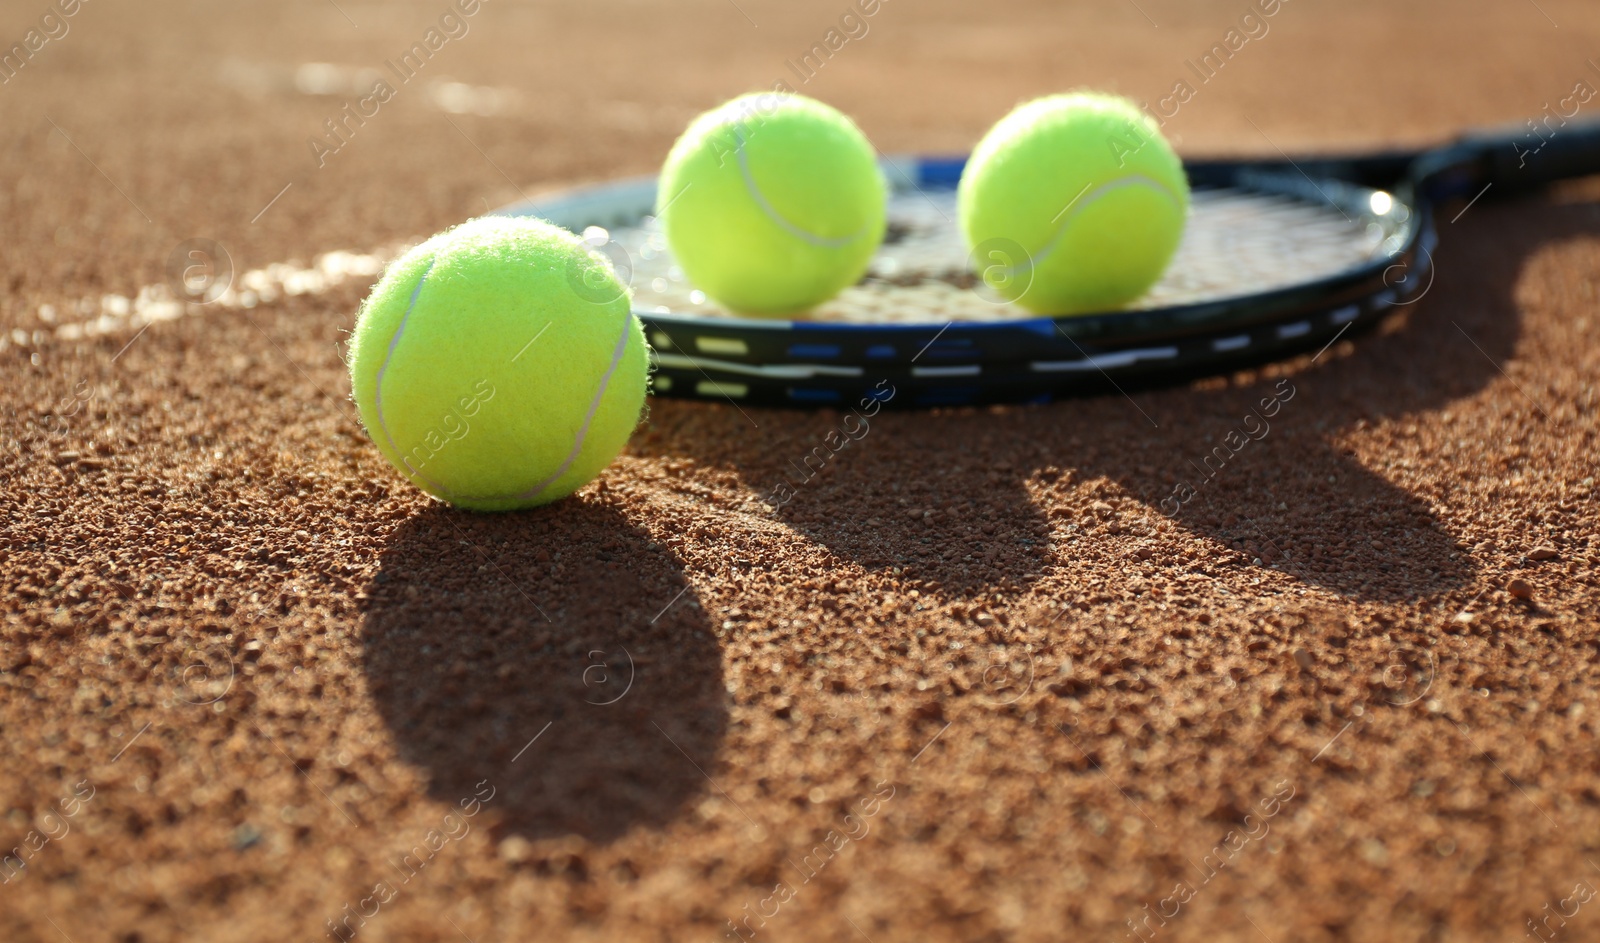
{"x": 1273, "y": 259}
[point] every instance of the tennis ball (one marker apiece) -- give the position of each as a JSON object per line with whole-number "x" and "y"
{"x": 1073, "y": 203}
{"x": 497, "y": 365}
{"x": 772, "y": 203}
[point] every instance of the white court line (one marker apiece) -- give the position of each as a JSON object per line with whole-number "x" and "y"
{"x": 114, "y": 314}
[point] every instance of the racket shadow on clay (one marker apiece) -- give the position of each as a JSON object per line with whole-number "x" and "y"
{"x": 1290, "y": 497}
{"x": 557, "y": 654}
{"x": 1297, "y": 497}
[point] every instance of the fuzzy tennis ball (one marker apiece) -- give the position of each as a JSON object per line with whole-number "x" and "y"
{"x": 498, "y": 365}
{"x": 772, "y": 203}
{"x": 1073, "y": 203}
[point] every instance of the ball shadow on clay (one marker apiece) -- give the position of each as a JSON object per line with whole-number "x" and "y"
{"x": 559, "y": 654}
{"x": 887, "y": 490}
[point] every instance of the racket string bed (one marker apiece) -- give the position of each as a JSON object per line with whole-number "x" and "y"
{"x": 1236, "y": 241}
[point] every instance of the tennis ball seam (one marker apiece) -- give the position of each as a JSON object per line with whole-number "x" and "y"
{"x": 588, "y": 417}
{"x": 791, "y": 211}
{"x": 1079, "y": 205}
{"x": 377, "y": 384}
{"x": 766, "y": 206}
{"x": 577, "y": 445}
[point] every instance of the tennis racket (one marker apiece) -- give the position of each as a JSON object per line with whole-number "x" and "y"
{"x": 1279, "y": 256}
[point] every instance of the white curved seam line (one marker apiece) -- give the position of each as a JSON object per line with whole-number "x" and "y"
{"x": 772, "y": 211}
{"x": 583, "y": 431}
{"x": 1101, "y": 191}
{"x": 594, "y": 406}
{"x": 377, "y": 390}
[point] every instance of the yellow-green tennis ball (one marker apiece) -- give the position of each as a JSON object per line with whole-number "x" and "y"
{"x": 772, "y": 203}
{"x": 498, "y": 365}
{"x": 1073, "y": 203}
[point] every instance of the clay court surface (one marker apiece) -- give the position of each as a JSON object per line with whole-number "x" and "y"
{"x": 970, "y": 684}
